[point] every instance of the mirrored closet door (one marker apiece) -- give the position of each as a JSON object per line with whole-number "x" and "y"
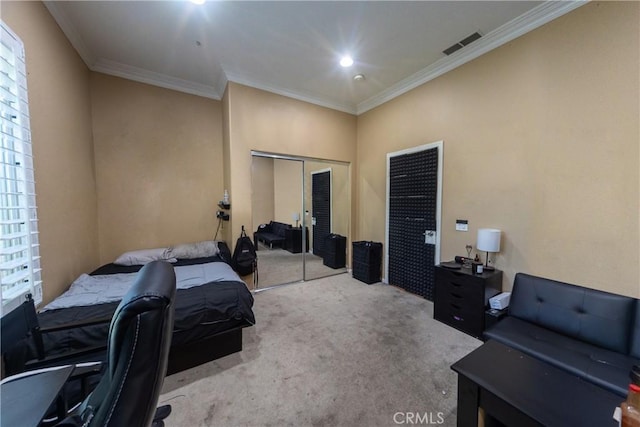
{"x": 327, "y": 213}
{"x": 301, "y": 218}
{"x": 276, "y": 210}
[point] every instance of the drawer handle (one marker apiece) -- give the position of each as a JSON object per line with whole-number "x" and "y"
{"x": 456, "y": 284}
{"x": 457, "y": 307}
{"x": 456, "y": 295}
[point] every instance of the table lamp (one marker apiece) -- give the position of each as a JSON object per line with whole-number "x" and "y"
{"x": 296, "y": 217}
{"x": 488, "y": 241}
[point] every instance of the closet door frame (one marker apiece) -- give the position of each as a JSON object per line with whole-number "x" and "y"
{"x": 304, "y": 221}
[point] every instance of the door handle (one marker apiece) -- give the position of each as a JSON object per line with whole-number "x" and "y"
{"x": 429, "y": 237}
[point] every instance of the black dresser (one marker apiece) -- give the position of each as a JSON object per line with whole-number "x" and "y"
{"x": 461, "y": 297}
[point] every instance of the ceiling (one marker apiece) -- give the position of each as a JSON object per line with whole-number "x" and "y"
{"x": 292, "y": 48}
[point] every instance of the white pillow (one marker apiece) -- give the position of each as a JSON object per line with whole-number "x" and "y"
{"x": 202, "y": 249}
{"x": 143, "y": 256}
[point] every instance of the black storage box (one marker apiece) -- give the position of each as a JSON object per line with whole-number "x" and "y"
{"x": 335, "y": 248}
{"x": 367, "y": 261}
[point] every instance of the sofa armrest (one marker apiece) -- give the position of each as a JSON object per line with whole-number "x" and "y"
{"x": 263, "y": 228}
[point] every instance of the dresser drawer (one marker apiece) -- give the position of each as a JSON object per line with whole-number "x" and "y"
{"x": 461, "y": 297}
{"x": 460, "y": 277}
{"x": 457, "y": 308}
{"x": 457, "y": 289}
{"x": 464, "y": 319}
{"x": 459, "y": 286}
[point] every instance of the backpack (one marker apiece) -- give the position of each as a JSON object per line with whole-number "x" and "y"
{"x": 245, "y": 260}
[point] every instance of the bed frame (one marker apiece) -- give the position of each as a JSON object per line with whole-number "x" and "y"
{"x": 205, "y": 350}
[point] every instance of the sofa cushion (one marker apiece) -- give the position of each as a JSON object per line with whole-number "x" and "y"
{"x": 272, "y": 233}
{"x": 278, "y": 228}
{"x": 597, "y": 317}
{"x": 634, "y": 339}
{"x": 605, "y": 368}
{"x": 269, "y": 237}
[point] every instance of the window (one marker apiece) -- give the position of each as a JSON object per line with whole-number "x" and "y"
{"x": 19, "y": 248}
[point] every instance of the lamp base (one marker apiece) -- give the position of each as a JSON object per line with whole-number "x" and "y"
{"x": 487, "y": 267}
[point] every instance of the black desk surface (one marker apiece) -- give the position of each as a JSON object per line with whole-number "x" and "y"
{"x": 543, "y": 392}
{"x": 26, "y": 400}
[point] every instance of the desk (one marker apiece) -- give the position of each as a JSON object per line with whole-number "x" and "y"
{"x": 26, "y": 400}
{"x": 519, "y": 390}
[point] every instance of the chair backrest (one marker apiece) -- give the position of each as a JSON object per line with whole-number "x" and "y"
{"x": 138, "y": 350}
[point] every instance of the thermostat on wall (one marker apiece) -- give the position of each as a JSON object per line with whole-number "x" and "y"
{"x": 462, "y": 225}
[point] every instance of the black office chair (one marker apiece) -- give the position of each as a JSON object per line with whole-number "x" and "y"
{"x": 138, "y": 350}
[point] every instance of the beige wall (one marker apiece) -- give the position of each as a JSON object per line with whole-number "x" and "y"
{"x": 263, "y": 121}
{"x": 226, "y": 151}
{"x": 60, "y": 110}
{"x": 159, "y": 165}
{"x": 541, "y": 140}
{"x": 287, "y": 190}
{"x": 262, "y": 188}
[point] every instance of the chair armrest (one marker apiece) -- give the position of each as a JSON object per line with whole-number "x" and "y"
{"x": 69, "y": 357}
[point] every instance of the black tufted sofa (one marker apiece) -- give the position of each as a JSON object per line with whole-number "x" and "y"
{"x": 272, "y": 234}
{"x": 592, "y": 334}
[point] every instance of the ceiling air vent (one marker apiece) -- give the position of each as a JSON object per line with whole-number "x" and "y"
{"x": 462, "y": 43}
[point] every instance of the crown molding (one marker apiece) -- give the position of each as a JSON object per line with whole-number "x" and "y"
{"x": 542, "y": 14}
{"x": 70, "y": 32}
{"x": 156, "y": 79}
{"x": 237, "y": 78}
{"x": 221, "y": 84}
{"x": 521, "y": 25}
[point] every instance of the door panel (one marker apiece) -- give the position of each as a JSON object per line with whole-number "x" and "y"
{"x": 413, "y": 210}
{"x": 320, "y": 209}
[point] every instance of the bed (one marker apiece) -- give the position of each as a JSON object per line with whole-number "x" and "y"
{"x": 213, "y": 305}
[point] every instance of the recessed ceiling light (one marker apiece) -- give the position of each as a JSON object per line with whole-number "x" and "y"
{"x": 358, "y": 77}
{"x": 346, "y": 61}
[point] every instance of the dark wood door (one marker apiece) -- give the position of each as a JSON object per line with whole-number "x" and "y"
{"x": 320, "y": 210}
{"x": 412, "y": 226}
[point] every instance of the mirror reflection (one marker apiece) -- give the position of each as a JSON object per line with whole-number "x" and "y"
{"x": 301, "y": 218}
{"x": 276, "y": 210}
{"x": 327, "y": 209}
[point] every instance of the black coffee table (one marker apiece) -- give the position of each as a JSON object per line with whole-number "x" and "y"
{"x": 519, "y": 390}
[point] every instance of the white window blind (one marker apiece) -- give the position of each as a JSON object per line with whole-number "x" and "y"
{"x": 19, "y": 247}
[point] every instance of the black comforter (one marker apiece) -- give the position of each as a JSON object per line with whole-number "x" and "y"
{"x": 201, "y": 311}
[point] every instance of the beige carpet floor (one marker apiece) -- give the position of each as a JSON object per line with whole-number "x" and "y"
{"x": 328, "y": 352}
{"x": 277, "y": 266}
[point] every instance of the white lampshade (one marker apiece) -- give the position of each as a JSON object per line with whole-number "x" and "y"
{"x": 488, "y": 240}
{"x": 295, "y": 216}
